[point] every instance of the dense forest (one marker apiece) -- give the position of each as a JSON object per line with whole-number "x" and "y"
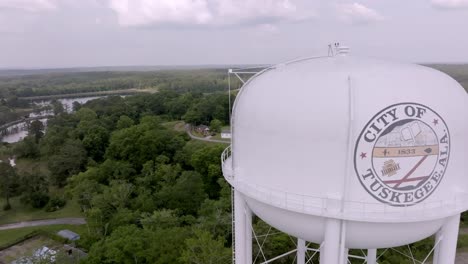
{"x": 133, "y": 178}
{"x": 205, "y": 80}
{"x": 149, "y": 194}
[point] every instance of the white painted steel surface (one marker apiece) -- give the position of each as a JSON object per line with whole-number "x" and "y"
{"x": 292, "y": 126}
{"x": 448, "y": 244}
{"x": 301, "y": 251}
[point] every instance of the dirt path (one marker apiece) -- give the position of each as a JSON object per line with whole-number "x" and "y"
{"x": 58, "y": 221}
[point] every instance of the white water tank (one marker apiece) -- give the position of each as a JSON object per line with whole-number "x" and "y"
{"x": 379, "y": 145}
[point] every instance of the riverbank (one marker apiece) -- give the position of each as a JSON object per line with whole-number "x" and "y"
{"x": 29, "y": 119}
{"x": 14, "y": 131}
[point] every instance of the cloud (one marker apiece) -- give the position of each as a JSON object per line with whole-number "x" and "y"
{"x": 450, "y": 4}
{"x": 358, "y": 14}
{"x": 257, "y": 11}
{"x": 27, "y": 5}
{"x": 268, "y": 28}
{"x": 16, "y": 16}
{"x": 205, "y": 12}
{"x": 144, "y": 12}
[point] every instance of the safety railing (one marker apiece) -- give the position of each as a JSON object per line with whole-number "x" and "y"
{"x": 352, "y": 210}
{"x": 226, "y": 154}
{"x": 226, "y": 163}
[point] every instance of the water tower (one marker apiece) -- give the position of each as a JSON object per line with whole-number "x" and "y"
{"x": 350, "y": 153}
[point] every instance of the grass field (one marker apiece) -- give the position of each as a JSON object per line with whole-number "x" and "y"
{"x": 20, "y": 212}
{"x": 218, "y": 135}
{"x": 29, "y": 165}
{"x": 10, "y": 235}
{"x": 178, "y": 126}
{"x": 27, "y": 248}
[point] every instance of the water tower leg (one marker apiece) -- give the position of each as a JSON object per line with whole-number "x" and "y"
{"x": 240, "y": 228}
{"x": 346, "y": 254}
{"x": 436, "y": 250}
{"x": 301, "y": 250}
{"x": 248, "y": 235}
{"x": 447, "y": 248}
{"x": 330, "y": 250}
{"x": 372, "y": 256}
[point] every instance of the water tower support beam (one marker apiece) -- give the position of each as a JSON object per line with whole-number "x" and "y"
{"x": 346, "y": 256}
{"x": 240, "y": 228}
{"x": 448, "y": 235}
{"x": 372, "y": 256}
{"x": 330, "y": 251}
{"x": 301, "y": 250}
{"x": 248, "y": 234}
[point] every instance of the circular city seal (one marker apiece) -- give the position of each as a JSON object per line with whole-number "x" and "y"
{"x": 402, "y": 153}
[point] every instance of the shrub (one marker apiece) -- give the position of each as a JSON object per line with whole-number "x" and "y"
{"x": 39, "y": 199}
{"x": 54, "y": 204}
{"x": 6, "y": 207}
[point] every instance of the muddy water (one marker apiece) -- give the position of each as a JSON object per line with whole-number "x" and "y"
{"x": 19, "y": 131}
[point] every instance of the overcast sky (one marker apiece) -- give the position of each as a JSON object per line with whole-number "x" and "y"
{"x": 71, "y": 33}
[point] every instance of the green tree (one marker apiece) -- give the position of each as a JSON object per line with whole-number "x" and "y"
{"x": 141, "y": 143}
{"x": 122, "y": 217}
{"x": 84, "y": 188}
{"x": 76, "y": 106}
{"x": 124, "y": 122}
{"x": 36, "y": 130}
{"x": 86, "y": 114}
{"x": 160, "y": 219}
{"x": 70, "y": 160}
{"x": 205, "y": 160}
{"x": 185, "y": 195}
{"x": 179, "y": 106}
{"x": 8, "y": 182}
{"x": 27, "y": 148}
{"x": 130, "y": 244}
{"x": 215, "y": 216}
{"x": 95, "y": 142}
{"x": 115, "y": 170}
{"x": 54, "y": 138}
{"x": 215, "y": 125}
{"x": 193, "y": 116}
{"x": 57, "y": 106}
{"x": 203, "y": 249}
{"x": 35, "y": 188}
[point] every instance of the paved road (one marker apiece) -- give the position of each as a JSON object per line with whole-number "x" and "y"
{"x": 189, "y": 132}
{"x": 58, "y": 221}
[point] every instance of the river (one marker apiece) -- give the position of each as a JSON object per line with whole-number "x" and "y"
{"x": 68, "y": 102}
{"x": 19, "y": 131}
